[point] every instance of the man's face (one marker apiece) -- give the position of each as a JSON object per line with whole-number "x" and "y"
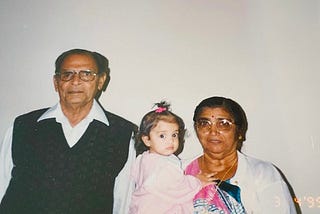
{"x": 76, "y": 92}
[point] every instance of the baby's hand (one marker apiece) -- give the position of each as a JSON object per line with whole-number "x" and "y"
{"x": 206, "y": 178}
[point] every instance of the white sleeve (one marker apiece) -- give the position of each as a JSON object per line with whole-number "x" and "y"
{"x": 6, "y": 163}
{"x": 124, "y": 186}
{"x": 263, "y": 190}
{"x": 276, "y": 198}
{"x": 273, "y": 192}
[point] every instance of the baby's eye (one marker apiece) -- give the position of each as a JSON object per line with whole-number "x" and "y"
{"x": 175, "y": 135}
{"x": 162, "y": 136}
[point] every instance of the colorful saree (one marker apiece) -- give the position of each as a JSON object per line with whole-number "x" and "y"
{"x": 223, "y": 198}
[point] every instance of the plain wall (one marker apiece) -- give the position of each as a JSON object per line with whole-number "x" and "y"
{"x": 263, "y": 54}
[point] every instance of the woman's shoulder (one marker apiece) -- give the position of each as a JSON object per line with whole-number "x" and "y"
{"x": 253, "y": 161}
{"x": 258, "y": 168}
{"x": 191, "y": 166}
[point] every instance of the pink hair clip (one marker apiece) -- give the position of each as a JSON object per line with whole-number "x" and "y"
{"x": 160, "y": 109}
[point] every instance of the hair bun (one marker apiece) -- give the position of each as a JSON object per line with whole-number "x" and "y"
{"x": 162, "y": 106}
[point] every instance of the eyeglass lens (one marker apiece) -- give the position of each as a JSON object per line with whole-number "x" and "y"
{"x": 222, "y": 124}
{"x": 85, "y": 75}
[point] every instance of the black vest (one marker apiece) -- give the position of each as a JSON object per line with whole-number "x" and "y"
{"x": 50, "y": 177}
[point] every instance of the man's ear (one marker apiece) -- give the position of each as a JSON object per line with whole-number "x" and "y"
{"x": 146, "y": 140}
{"x": 55, "y": 83}
{"x": 101, "y": 81}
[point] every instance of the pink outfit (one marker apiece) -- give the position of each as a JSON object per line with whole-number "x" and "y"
{"x": 161, "y": 186}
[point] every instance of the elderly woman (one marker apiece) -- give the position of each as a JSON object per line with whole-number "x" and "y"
{"x": 243, "y": 184}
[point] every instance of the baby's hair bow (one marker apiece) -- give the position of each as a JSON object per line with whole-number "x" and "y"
{"x": 160, "y": 109}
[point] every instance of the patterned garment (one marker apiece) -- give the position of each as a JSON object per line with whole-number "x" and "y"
{"x": 216, "y": 199}
{"x": 213, "y": 199}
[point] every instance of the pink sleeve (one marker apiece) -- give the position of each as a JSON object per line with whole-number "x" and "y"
{"x": 170, "y": 184}
{"x": 193, "y": 168}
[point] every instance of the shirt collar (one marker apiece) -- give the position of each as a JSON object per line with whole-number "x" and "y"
{"x": 242, "y": 167}
{"x": 96, "y": 113}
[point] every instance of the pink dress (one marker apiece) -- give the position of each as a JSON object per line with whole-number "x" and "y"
{"x": 161, "y": 186}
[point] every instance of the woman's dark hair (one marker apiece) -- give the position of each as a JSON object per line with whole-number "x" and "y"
{"x": 233, "y": 108}
{"x": 151, "y": 119}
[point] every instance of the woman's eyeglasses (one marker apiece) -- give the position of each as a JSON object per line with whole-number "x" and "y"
{"x": 222, "y": 124}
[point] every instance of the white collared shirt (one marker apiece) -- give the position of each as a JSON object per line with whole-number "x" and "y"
{"x": 73, "y": 134}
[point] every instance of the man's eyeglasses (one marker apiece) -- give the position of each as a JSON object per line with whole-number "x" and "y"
{"x": 222, "y": 124}
{"x": 84, "y": 75}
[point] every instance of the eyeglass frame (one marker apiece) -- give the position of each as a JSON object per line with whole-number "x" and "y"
{"x": 80, "y": 73}
{"x": 211, "y": 123}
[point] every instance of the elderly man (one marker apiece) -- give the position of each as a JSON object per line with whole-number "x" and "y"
{"x": 65, "y": 159}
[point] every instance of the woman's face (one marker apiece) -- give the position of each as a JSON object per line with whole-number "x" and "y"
{"x": 216, "y": 139}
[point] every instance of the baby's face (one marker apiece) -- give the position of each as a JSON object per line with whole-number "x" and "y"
{"x": 163, "y": 138}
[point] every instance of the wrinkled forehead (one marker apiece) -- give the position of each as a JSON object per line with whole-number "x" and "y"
{"x": 77, "y": 61}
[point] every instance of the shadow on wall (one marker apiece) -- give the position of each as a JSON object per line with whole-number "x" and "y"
{"x": 293, "y": 195}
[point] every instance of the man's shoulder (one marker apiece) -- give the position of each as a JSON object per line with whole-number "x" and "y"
{"x": 27, "y": 120}
{"x": 35, "y": 114}
{"x": 117, "y": 119}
